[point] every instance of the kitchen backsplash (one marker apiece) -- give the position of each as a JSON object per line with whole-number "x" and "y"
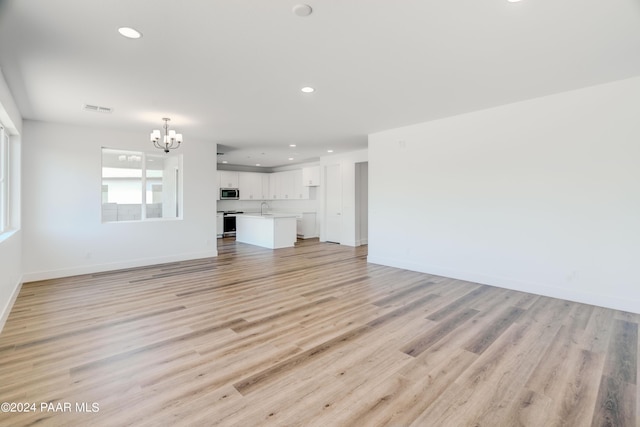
{"x": 274, "y": 205}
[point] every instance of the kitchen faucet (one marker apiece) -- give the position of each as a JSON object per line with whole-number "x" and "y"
{"x": 261, "y": 205}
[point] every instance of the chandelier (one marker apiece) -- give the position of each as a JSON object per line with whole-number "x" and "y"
{"x": 171, "y": 139}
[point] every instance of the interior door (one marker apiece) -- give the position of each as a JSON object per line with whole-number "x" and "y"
{"x": 333, "y": 198}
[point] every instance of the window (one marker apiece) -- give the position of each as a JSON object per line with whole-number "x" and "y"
{"x": 138, "y": 186}
{"x": 4, "y": 180}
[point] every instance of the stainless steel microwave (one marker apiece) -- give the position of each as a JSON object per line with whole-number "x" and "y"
{"x": 229, "y": 194}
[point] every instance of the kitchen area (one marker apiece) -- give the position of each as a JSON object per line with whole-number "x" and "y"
{"x": 271, "y": 210}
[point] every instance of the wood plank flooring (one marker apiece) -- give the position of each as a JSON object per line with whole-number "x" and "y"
{"x": 310, "y": 336}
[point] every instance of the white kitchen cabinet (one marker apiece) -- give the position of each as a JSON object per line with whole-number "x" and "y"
{"x": 229, "y": 179}
{"x": 299, "y": 191}
{"x": 274, "y": 186}
{"x": 306, "y": 226}
{"x": 265, "y": 186}
{"x": 286, "y": 185}
{"x": 311, "y": 176}
{"x": 253, "y": 185}
{"x": 280, "y": 186}
{"x": 269, "y": 231}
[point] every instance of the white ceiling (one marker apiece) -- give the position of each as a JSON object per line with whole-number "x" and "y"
{"x": 230, "y": 72}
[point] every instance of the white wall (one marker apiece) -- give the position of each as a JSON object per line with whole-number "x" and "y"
{"x": 541, "y": 196}
{"x": 63, "y": 232}
{"x": 350, "y": 219}
{"x": 11, "y": 243}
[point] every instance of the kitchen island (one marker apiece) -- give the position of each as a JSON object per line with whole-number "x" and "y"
{"x": 271, "y": 231}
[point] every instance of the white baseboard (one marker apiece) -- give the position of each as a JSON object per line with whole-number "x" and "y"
{"x": 4, "y": 314}
{"x": 98, "y": 268}
{"x": 607, "y": 301}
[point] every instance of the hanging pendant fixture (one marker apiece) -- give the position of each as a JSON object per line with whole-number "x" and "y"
{"x": 171, "y": 140}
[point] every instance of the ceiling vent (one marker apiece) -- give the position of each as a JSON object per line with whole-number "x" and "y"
{"x": 97, "y": 108}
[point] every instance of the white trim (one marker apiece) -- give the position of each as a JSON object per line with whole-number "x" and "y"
{"x": 5, "y": 181}
{"x": 4, "y": 314}
{"x": 354, "y": 242}
{"x": 608, "y": 301}
{"x": 99, "y": 268}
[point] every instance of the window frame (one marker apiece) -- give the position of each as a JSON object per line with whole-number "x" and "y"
{"x": 143, "y": 186}
{"x": 5, "y": 178}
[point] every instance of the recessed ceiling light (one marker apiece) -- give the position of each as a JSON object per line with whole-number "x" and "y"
{"x": 302, "y": 10}
{"x": 257, "y": 164}
{"x": 129, "y": 32}
{"x": 290, "y": 158}
{"x": 224, "y": 161}
{"x": 513, "y": 1}
{"x": 292, "y": 145}
{"x": 329, "y": 151}
{"x": 307, "y": 89}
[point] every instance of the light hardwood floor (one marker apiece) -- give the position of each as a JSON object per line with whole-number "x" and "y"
{"x": 311, "y": 335}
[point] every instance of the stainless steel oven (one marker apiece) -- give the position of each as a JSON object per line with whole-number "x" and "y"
{"x": 229, "y": 223}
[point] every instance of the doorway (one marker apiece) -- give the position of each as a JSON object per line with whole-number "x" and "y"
{"x": 362, "y": 203}
{"x": 333, "y": 204}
